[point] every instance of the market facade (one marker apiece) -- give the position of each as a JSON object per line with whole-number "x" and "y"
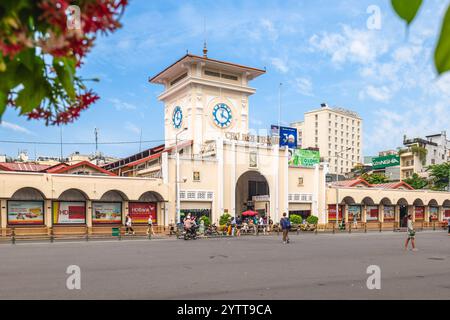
{"x": 211, "y": 163}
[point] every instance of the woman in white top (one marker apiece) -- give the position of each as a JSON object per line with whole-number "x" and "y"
{"x": 411, "y": 234}
{"x": 150, "y": 226}
{"x": 128, "y": 223}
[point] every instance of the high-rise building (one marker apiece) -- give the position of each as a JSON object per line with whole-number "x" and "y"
{"x": 420, "y": 153}
{"x": 337, "y": 133}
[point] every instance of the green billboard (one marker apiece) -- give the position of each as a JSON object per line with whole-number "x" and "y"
{"x": 304, "y": 158}
{"x": 386, "y": 161}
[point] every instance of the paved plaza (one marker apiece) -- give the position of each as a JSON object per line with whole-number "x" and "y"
{"x": 323, "y": 266}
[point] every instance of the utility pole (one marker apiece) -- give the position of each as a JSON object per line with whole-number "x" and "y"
{"x": 96, "y": 141}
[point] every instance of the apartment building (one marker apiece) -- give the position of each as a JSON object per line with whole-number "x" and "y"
{"x": 337, "y": 133}
{"x": 420, "y": 153}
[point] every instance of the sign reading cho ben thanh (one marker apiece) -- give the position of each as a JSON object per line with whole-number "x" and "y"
{"x": 386, "y": 161}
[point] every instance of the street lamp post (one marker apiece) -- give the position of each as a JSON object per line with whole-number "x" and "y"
{"x": 177, "y": 174}
{"x": 337, "y": 187}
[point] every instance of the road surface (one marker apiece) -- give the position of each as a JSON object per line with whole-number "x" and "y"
{"x": 323, "y": 266}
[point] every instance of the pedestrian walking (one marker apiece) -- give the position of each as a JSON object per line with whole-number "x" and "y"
{"x": 233, "y": 227}
{"x": 128, "y": 225}
{"x": 285, "y": 226}
{"x": 411, "y": 234}
{"x": 150, "y": 226}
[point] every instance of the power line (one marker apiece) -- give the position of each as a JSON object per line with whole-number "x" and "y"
{"x": 80, "y": 143}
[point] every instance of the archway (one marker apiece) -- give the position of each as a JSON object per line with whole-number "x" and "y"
{"x": 148, "y": 205}
{"x": 26, "y": 207}
{"x": 403, "y": 204}
{"x": 348, "y": 200}
{"x": 70, "y": 208}
{"x": 114, "y": 196}
{"x": 252, "y": 193}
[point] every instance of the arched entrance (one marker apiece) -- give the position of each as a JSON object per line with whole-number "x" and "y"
{"x": 26, "y": 207}
{"x": 252, "y": 193}
{"x": 403, "y": 204}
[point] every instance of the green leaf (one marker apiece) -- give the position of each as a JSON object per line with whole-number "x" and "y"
{"x": 65, "y": 69}
{"x": 3, "y": 101}
{"x": 406, "y": 9}
{"x": 442, "y": 52}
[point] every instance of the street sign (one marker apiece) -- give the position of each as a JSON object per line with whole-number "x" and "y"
{"x": 386, "y": 161}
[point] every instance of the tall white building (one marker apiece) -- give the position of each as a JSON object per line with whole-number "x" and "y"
{"x": 420, "y": 153}
{"x": 337, "y": 133}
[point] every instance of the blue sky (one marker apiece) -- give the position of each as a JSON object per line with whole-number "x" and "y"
{"x": 322, "y": 51}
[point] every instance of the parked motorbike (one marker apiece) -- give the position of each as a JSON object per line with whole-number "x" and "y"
{"x": 191, "y": 234}
{"x": 211, "y": 231}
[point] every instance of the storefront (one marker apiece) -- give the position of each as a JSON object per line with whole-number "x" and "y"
{"x": 372, "y": 214}
{"x": 434, "y": 213}
{"x": 69, "y": 212}
{"x": 354, "y": 213}
{"x": 389, "y": 213}
{"x": 300, "y": 209}
{"x": 419, "y": 212}
{"x": 106, "y": 213}
{"x": 332, "y": 213}
{"x": 446, "y": 214}
{"x": 195, "y": 208}
{"x": 22, "y": 213}
{"x": 140, "y": 212}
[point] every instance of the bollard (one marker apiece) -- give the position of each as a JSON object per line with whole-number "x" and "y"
{"x": 334, "y": 228}
{"x": 434, "y": 225}
{"x": 13, "y": 236}
{"x": 365, "y": 227}
{"x": 87, "y": 234}
{"x": 315, "y": 230}
{"x": 51, "y": 235}
{"x": 349, "y": 228}
{"x": 381, "y": 226}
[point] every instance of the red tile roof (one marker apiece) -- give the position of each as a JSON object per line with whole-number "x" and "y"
{"x": 356, "y": 182}
{"x": 23, "y": 167}
{"x": 66, "y": 168}
{"x": 58, "y": 168}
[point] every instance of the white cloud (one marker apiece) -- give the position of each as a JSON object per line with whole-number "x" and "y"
{"x": 122, "y": 105}
{"x": 132, "y": 128}
{"x": 415, "y": 121}
{"x": 350, "y": 45}
{"x": 304, "y": 86}
{"x": 15, "y": 127}
{"x": 280, "y": 65}
{"x": 380, "y": 94}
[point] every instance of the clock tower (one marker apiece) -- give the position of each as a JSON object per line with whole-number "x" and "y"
{"x": 204, "y": 97}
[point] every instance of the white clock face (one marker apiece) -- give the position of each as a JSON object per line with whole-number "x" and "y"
{"x": 222, "y": 115}
{"x": 177, "y": 117}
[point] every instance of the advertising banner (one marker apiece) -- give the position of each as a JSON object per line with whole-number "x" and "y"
{"x": 106, "y": 212}
{"x": 332, "y": 213}
{"x": 434, "y": 213}
{"x": 141, "y": 211}
{"x": 419, "y": 213}
{"x": 288, "y": 137}
{"x": 25, "y": 212}
{"x": 303, "y": 158}
{"x": 446, "y": 213}
{"x": 386, "y": 161}
{"x": 69, "y": 212}
{"x": 354, "y": 211}
{"x": 389, "y": 213}
{"x": 372, "y": 213}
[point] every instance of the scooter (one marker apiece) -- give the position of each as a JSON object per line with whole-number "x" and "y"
{"x": 191, "y": 234}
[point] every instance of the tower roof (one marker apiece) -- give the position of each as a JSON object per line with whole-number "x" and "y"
{"x": 175, "y": 68}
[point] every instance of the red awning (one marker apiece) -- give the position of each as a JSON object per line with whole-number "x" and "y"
{"x": 249, "y": 213}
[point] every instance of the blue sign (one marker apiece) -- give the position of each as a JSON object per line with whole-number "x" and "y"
{"x": 288, "y": 137}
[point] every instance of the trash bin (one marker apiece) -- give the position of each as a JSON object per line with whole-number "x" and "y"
{"x": 115, "y": 232}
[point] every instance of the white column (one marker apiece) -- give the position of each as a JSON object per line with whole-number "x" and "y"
{"x": 315, "y": 204}
{"x": 3, "y": 212}
{"x": 323, "y": 198}
{"x": 165, "y": 167}
{"x": 219, "y": 143}
{"x": 233, "y": 180}
{"x": 275, "y": 185}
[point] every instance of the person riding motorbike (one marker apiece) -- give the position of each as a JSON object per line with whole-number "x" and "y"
{"x": 189, "y": 224}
